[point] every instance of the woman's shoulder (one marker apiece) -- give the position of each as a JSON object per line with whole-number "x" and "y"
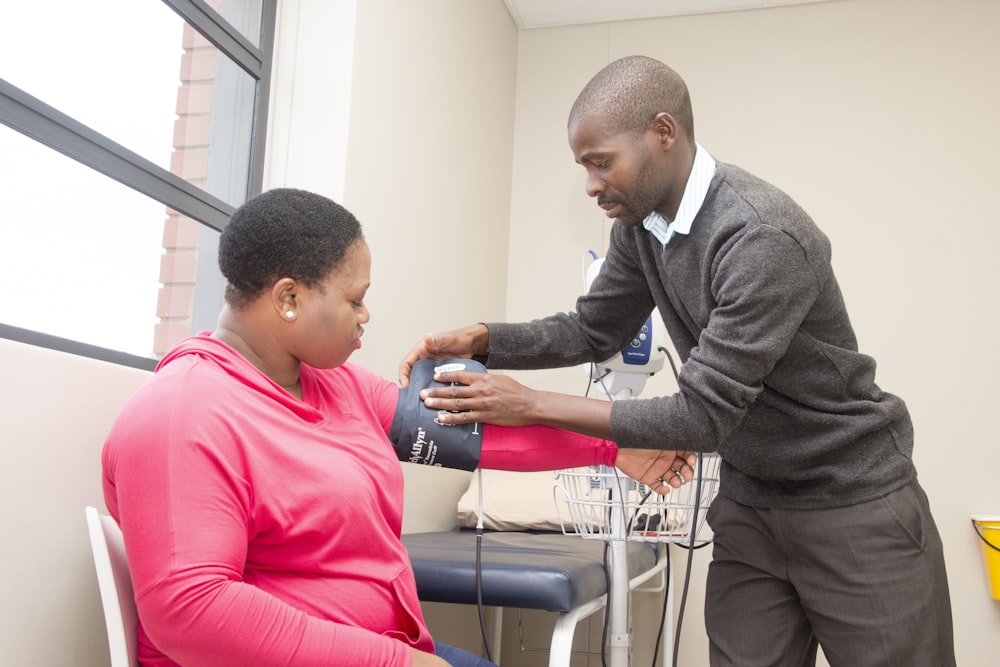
{"x": 350, "y": 382}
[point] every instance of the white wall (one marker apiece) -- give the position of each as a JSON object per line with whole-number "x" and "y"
{"x": 879, "y": 117}
{"x": 55, "y": 410}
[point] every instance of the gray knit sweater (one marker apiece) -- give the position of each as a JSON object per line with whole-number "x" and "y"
{"x": 771, "y": 376}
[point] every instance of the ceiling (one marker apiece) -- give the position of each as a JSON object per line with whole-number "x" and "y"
{"x": 550, "y": 13}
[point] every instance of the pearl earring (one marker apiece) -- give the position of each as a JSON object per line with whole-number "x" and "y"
{"x": 290, "y": 314}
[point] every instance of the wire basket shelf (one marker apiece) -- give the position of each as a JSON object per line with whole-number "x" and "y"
{"x": 603, "y": 503}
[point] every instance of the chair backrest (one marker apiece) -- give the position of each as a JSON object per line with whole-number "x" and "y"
{"x": 115, "y": 583}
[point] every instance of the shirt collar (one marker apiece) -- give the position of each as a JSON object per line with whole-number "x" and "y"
{"x": 695, "y": 191}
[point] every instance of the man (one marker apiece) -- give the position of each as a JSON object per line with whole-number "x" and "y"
{"x": 822, "y": 532}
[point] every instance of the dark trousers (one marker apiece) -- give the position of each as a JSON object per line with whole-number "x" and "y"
{"x": 865, "y": 582}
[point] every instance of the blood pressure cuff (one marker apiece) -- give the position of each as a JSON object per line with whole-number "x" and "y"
{"x": 417, "y": 434}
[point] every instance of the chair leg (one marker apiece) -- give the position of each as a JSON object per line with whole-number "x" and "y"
{"x": 496, "y": 634}
{"x": 561, "y": 648}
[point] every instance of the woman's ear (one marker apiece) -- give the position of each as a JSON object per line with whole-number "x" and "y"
{"x": 284, "y": 299}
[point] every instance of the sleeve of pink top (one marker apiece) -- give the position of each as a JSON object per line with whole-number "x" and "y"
{"x": 531, "y": 448}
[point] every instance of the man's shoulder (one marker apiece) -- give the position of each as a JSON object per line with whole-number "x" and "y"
{"x": 742, "y": 196}
{"x": 745, "y": 184}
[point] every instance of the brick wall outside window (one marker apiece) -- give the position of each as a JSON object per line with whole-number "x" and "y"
{"x": 178, "y": 264}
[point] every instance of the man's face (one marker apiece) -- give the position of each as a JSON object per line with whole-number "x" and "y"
{"x": 621, "y": 171}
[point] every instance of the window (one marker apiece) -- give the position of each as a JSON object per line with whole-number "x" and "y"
{"x": 122, "y": 155}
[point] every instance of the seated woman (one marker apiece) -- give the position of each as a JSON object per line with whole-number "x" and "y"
{"x": 257, "y": 490}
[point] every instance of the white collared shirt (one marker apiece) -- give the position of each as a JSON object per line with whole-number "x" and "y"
{"x": 702, "y": 173}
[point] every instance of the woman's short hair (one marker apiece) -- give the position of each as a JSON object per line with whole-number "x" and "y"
{"x": 283, "y": 233}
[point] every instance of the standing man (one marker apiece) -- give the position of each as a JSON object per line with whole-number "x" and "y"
{"x": 823, "y": 534}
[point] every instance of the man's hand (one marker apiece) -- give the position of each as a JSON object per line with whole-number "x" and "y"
{"x": 659, "y": 469}
{"x": 487, "y": 398}
{"x": 458, "y": 343}
{"x": 490, "y": 398}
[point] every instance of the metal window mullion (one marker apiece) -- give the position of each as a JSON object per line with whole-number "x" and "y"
{"x": 70, "y": 346}
{"x": 219, "y": 32}
{"x": 258, "y": 140}
{"x": 45, "y": 124}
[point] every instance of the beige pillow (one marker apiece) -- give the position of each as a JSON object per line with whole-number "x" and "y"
{"x": 515, "y": 501}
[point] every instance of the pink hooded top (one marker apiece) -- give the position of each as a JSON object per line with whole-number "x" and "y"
{"x": 264, "y": 530}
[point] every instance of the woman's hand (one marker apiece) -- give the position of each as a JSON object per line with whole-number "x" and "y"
{"x": 421, "y": 659}
{"x": 659, "y": 469}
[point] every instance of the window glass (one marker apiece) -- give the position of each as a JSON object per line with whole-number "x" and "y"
{"x": 80, "y": 254}
{"x": 244, "y": 15}
{"x": 217, "y": 148}
{"x": 113, "y": 65}
{"x": 158, "y": 88}
{"x": 85, "y": 257}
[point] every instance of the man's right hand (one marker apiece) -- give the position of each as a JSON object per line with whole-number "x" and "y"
{"x": 458, "y": 343}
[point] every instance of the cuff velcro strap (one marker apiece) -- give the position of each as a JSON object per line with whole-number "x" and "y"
{"x": 417, "y": 434}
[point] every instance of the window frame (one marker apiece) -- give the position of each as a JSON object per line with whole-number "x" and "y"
{"x": 53, "y": 128}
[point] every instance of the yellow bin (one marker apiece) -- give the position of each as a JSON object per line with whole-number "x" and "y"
{"x": 987, "y": 526}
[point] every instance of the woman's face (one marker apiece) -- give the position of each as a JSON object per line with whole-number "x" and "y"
{"x": 332, "y": 315}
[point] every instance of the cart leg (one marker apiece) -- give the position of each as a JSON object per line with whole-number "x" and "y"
{"x": 618, "y": 603}
{"x": 667, "y": 636}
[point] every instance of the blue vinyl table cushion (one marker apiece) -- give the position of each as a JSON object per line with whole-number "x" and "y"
{"x": 549, "y": 571}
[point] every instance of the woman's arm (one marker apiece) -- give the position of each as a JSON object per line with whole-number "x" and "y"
{"x": 531, "y": 448}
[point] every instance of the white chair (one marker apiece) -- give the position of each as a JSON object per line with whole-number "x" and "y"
{"x": 115, "y": 583}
